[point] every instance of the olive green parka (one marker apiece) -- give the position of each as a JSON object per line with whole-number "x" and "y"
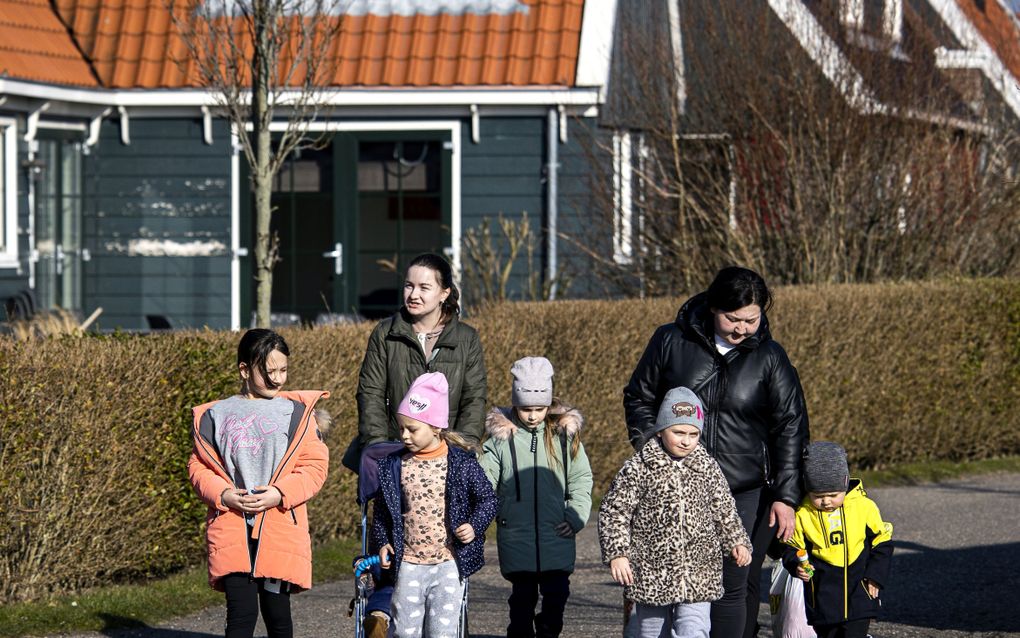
{"x": 394, "y": 358}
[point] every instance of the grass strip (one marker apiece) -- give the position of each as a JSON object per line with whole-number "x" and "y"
{"x": 936, "y": 471}
{"x": 145, "y": 604}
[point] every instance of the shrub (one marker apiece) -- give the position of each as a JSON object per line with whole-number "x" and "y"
{"x": 95, "y": 432}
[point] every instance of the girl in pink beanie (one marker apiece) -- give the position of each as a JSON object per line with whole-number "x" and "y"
{"x": 433, "y": 508}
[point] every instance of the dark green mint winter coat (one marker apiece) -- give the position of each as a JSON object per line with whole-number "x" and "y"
{"x": 395, "y": 358}
{"x": 532, "y": 491}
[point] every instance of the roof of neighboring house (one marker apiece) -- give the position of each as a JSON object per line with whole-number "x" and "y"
{"x": 35, "y": 46}
{"x": 999, "y": 27}
{"x": 134, "y": 44}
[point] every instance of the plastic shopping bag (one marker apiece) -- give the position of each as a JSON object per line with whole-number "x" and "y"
{"x": 786, "y": 604}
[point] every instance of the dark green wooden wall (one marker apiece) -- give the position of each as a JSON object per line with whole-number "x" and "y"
{"x": 157, "y": 221}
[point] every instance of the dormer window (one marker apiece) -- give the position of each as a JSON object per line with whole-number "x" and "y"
{"x": 874, "y": 24}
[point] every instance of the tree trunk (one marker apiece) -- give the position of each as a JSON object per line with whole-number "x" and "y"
{"x": 265, "y": 253}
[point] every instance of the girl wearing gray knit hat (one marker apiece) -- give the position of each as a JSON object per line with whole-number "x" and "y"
{"x": 666, "y": 524}
{"x": 540, "y": 471}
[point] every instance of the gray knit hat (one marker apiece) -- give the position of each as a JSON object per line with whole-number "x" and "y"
{"x": 825, "y": 468}
{"x": 680, "y": 406}
{"x": 533, "y": 383}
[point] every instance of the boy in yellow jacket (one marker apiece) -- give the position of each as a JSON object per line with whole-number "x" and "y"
{"x": 847, "y": 543}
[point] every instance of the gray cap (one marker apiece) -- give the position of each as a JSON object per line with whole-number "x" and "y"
{"x": 533, "y": 384}
{"x": 825, "y": 468}
{"x": 680, "y": 406}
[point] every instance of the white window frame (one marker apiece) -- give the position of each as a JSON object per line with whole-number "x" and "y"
{"x": 9, "y": 193}
{"x": 623, "y": 198}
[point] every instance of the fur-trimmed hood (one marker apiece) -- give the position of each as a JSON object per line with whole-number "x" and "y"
{"x": 499, "y": 422}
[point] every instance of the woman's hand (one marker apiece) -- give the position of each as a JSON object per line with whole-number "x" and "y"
{"x": 742, "y": 555}
{"x": 782, "y": 516}
{"x": 465, "y": 533}
{"x": 802, "y": 574}
{"x": 265, "y": 497}
{"x": 564, "y": 529}
{"x": 620, "y": 568}
{"x": 384, "y": 555}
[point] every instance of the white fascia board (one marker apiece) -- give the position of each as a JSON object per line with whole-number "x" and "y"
{"x": 824, "y": 51}
{"x": 343, "y": 97}
{"x": 9, "y": 193}
{"x": 595, "y": 51}
{"x": 969, "y": 35}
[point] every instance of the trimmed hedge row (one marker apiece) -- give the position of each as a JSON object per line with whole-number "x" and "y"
{"x": 95, "y": 432}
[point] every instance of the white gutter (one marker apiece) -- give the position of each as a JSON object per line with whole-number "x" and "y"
{"x": 346, "y": 96}
{"x": 125, "y": 126}
{"x": 32, "y": 122}
{"x": 552, "y": 210}
{"x": 94, "y": 127}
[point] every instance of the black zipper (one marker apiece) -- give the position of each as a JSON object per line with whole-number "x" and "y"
{"x": 304, "y": 431}
{"x": 534, "y": 464}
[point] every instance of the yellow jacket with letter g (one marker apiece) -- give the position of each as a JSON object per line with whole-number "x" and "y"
{"x": 845, "y": 546}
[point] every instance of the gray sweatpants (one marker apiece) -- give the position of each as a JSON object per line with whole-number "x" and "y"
{"x": 692, "y": 620}
{"x": 427, "y": 600}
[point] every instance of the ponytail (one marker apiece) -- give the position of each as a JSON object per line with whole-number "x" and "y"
{"x": 458, "y": 440}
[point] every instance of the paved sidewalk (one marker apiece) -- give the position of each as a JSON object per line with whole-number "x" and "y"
{"x": 955, "y": 573}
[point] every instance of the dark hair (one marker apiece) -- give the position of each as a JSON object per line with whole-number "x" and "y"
{"x": 444, "y": 274}
{"x": 255, "y": 347}
{"x": 735, "y": 287}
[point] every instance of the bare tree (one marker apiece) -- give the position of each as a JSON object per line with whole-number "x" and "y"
{"x": 882, "y": 167}
{"x": 263, "y": 59}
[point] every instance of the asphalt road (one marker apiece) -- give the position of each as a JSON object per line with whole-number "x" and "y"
{"x": 955, "y": 573}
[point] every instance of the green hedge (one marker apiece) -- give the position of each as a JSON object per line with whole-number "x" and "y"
{"x": 95, "y": 431}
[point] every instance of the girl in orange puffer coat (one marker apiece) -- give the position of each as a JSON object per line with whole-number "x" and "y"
{"x": 258, "y": 457}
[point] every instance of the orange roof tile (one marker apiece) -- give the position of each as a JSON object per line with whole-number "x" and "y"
{"x": 999, "y": 29}
{"x": 134, "y": 44}
{"x": 35, "y": 46}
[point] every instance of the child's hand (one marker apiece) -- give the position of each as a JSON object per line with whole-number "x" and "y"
{"x": 384, "y": 555}
{"x": 741, "y": 555}
{"x": 564, "y": 529}
{"x": 620, "y": 568}
{"x": 802, "y": 574}
{"x": 872, "y": 587}
{"x": 267, "y": 498}
{"x": 233, "y": 498}
{"x": 465, "y": 533}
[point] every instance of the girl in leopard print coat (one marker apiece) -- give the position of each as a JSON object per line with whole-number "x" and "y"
{"x": 666, "y": 523}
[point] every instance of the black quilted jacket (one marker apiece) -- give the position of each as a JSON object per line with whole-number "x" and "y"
{"x": 756, "y": 423}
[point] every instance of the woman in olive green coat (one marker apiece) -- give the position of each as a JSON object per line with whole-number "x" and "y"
{"x": 425, "y": 335}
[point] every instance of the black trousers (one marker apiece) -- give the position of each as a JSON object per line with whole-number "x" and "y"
{"x": 554, "y": 586}
{"x": 245, "y": 597}
{"x": 851, "y": 629}
{"x": 735, "y": 615}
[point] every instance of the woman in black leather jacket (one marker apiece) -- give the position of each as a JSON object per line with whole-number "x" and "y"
{"x": 756, "y": 423}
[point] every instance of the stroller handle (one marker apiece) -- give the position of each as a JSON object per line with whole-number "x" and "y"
{"x": 364, "y": 564}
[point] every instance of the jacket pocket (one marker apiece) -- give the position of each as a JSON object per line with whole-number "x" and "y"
{"x": 766, "y": 466}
